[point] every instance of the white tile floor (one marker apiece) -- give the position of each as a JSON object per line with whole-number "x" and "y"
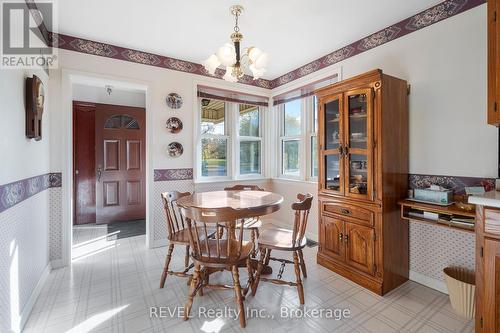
{"x": 113, "y": 283}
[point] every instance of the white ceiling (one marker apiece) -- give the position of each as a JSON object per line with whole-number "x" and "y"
{"x": 293, "y": 32}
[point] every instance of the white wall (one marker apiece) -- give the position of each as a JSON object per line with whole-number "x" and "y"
{"x": 22, "y": 157}
{"x": 24, "y": 228}
{"x": 446, "y": 67}
{"x": 98, "y": 94}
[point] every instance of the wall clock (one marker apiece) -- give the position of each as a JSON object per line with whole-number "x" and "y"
{"x": 35, "y": 99}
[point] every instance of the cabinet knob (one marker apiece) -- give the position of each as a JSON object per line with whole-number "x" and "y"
{"x": 340, "y": 237}
{"x": 345, "y": 211}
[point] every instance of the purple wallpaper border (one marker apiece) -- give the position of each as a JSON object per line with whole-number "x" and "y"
{"x": 437, "y": 13}
{"x": 116, "y": 52}
{"x": 162, "y": 175}
{"x": 13, "y": 193}
{"x": 457, "y": 184}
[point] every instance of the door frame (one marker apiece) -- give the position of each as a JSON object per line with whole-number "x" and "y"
{"x": 68, "y": 78}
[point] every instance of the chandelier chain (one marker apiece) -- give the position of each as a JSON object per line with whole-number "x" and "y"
{"x": 236, "y": 28}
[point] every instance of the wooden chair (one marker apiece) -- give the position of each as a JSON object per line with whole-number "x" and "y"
{"x": 218, "y": 253}
{"x": 253, "y": 224}
{"x": 286, "y": 240}
{"x": 178, "y": 234}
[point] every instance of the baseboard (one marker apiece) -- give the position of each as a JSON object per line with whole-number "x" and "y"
{"x": 278, "y": 223}
{"x": 429, "y": 282}
{"x": 28, "y": 307}
{"x": 58, "y": 263}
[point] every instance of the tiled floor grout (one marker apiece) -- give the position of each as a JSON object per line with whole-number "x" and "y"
{"x": 111, "y": 291}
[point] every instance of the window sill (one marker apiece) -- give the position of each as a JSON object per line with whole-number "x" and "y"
{"x": 229, "y": 180}
{"x": 294, "y": 180}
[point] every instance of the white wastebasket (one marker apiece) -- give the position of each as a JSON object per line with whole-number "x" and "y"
{"x": 461, "y": 285}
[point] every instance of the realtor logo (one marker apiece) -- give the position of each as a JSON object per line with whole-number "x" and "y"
{"x": 25, "y": 29}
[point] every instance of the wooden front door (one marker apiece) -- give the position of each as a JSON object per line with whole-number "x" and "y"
{"x": 360, "y": 247}
{"x": 120, "y": 163}
{"x": 84, "y": 162}
{"x": 331, "y": 237}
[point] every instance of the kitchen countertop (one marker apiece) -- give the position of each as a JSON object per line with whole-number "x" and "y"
{"x": 490, "y": 199}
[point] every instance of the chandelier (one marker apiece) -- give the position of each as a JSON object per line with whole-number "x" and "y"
{"x": 233, "y": 59}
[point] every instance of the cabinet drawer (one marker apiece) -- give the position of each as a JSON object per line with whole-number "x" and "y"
{"x": 362, "y": 215}
{"x": 492, "y": 221}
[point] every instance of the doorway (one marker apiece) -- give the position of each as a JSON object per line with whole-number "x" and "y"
{"x": 109, "y": 155}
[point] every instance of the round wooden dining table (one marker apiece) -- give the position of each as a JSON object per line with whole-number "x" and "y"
{"x": 254, "y": 203}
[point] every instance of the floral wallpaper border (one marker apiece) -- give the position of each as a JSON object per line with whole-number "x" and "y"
{"x": 13, "y": 193}
{"x": 162, "y": 175}
{"x": 437, "y": 13}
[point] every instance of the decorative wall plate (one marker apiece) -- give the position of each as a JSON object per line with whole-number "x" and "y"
{"x": 174, "y": 101}
{"x": 175, "y": 149}
{"x": 174, "y": 125}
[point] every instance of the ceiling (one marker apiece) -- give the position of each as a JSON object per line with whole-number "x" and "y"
{"x": 293, "y": 32}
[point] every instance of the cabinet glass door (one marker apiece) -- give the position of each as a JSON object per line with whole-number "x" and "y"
{"x": 331, "y": 145}
{"x": 358, "y": 143}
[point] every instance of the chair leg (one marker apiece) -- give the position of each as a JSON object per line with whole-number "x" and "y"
{"x": 300, "y": 288}
{"x": 186, "y": 258}
{"x": 250, "y": 276}
{"x": 192, "y": 291}
{"x": 167, "y": 263}
{"x": 239, "y": 296}
{"x": 268, "y": 257}
{"x": 302, "y": 264}
{"x": 252, "y": 238}
{"x": 259, "y": 270}
{"x": 220, "y": 232}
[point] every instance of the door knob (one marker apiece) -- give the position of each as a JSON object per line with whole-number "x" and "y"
{"x": 99, "y": 174}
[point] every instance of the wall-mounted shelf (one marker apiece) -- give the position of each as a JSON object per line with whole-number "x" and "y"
{"x": 442, "y": 216}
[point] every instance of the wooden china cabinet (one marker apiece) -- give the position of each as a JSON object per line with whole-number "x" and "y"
{"x": 363, "y": 167}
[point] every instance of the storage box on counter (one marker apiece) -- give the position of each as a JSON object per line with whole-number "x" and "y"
{"x": 434, "y": 195}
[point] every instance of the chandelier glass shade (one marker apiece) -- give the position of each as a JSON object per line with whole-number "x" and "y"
{"x": 233, "y": 59}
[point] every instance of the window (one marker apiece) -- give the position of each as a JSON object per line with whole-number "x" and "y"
{"x": 213, "y": 139}
{"x": 298, "y": 139}
{"x": 121, "y": 121}
{"x": 250, "y": 141}
{"x": 290, "y": 140}
{"x": 313, "y": 139}
{"x": 230, "y": 145}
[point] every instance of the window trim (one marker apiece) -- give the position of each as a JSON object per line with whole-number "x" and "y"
{"x": 305, "y": 140}
{"x": 238, "y": 141}
{"x": 312, "y": 131}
